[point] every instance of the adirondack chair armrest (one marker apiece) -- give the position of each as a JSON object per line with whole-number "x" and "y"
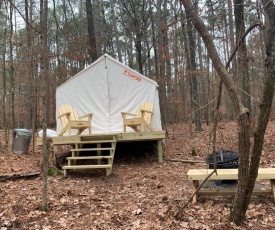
{"x": 124, "y": 114}
{"x": 65, "y": 114}
{"x": 146, "y": 111}
{"x": 89, "y": 115}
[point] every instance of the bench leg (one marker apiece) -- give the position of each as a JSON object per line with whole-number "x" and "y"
{"x": 196, "y": 184}
{"x": 272, "y": 183}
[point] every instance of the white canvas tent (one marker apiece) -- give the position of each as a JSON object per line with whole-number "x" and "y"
{"x": 106, "y": 88}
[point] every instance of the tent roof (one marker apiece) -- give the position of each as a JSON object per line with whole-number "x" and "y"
{"x": 114, "y": 60}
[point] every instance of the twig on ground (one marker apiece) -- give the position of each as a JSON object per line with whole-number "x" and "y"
{"x": 183, "y": 161}
{"x": 16, "y": 176}
{"x": 185, "y": 205}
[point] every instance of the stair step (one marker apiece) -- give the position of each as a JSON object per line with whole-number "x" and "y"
{"x": 92, "y": 149}
{"x": 89, "y": 157}
{"x": 87, "y": 166}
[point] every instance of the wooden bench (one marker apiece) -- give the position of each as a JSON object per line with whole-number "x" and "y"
{"x": 228, "y": 174}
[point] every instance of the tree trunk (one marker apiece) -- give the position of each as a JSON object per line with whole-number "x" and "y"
{"x": 203, "y": 83}
{"x": 231, "y": 38}
{"x": 12, "y": 73}
{"x": 97, "y": 26}
{"x": 29, "y": 87}
{"x": 242, "y": 66}
{"x": 161, "y": 78}
{"x": 91, "y": 30}
{"x": 4, "y": 88}
{"x": 175, "y": 106}
{"x": 116, "y": 31}
{"x": 46, "y": 96}
{"x": 189, "y": 77}
{"x": 241, "y": 203}
{"x": 166, "y": 55}
{"x": 241, "y": 112}
{"x": 248, "y": 168}
{"x": 193, "y": 77}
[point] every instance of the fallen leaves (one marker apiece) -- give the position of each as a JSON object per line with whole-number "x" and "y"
{"x": 140, "y": 194}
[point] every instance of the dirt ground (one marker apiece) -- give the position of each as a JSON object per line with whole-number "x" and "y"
{"x": 139, "y": 194}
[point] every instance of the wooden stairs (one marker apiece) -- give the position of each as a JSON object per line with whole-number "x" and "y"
{"x": 96, "y": 152}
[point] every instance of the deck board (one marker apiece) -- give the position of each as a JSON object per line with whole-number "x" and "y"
{"x": 121, "y": 137}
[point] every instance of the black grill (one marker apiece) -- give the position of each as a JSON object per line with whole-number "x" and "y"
{"x": 226, "y": 159}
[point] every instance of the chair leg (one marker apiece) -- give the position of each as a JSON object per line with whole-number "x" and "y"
{"x": 80, "y": 131}
{"x": 63, "y": 131}
{"x": 69, "y": 129}
{"x": 135, "y": 128}
{"x": 149, "y": 127}
{"x": 142, "y": 126}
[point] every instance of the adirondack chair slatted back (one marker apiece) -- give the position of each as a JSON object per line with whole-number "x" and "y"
{"x": 140, "y": 120}
{"x": 67, "y": 109}
{"x": 147, "y": 116}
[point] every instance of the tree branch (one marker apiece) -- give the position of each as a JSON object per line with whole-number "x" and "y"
{"x": 23, "y": 17}
{"x": 183, "y": 161}
{"x": 190, "y": 199}
{"x": 240, "y": 42}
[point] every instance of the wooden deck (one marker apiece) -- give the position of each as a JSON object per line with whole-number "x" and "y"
{"x": 102, "y": 142}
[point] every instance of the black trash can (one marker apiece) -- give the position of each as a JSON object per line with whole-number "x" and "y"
{"x": 21, "y": 140}
{"x": 225, "y": 159}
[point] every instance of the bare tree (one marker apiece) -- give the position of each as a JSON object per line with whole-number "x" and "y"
{"x": 12, "y": 72}
{"x": 97, "y": 26}
{"x": 4, "y": 78}
{"x": 193, "y": 74}
{"x": 91, "y": 30}
{"x": 244, "y": 191}
{"x": 46, "y": 96}
{"x": 161, "y": 61}
{"x": 231, "y": 36}
{"x": 248, "y": 168}
{"x": 116, "y": 31}
{"x": 242, "y": 66}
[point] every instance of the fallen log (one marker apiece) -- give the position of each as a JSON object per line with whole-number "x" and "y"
{"x": 184, "y": 161}
{"x": 17, "y": 176}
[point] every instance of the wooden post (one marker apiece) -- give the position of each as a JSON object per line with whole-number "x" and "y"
{"x": 160, "y": 156}
{"x": 196, "y": 184}
{"x": 98, "y": 145}
{"x": 272, "y": 184}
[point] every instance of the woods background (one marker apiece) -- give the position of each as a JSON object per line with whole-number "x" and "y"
{"x": 153, "y": 36}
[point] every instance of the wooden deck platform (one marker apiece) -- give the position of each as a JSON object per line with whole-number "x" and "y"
{"x": 102, "y": 142}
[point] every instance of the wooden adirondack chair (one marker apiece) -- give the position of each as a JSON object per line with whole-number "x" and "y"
{"x": 142, "y": 118}
{"x": 70, "y": 120}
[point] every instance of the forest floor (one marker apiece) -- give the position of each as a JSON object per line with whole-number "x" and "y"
{"x": 139, "y": 194}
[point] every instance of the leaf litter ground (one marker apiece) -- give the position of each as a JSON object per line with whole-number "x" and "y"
{"x": 139, "y": 194}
